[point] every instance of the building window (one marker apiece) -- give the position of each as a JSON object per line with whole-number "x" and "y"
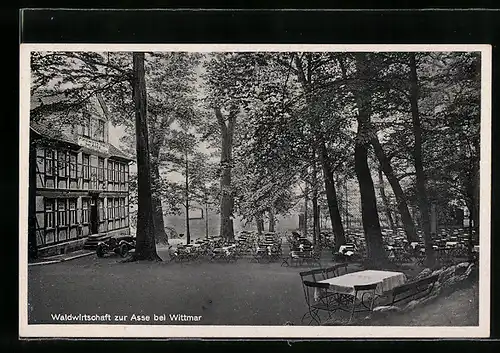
{"x": 72, "y": 212}
{"x": 49, "y": 161}
{"x": 117, "y": 208}
{"x": 122, "y": 207}
{"x": 102, "y": 215}
{"x": 61, "y": 213}
{"x": 122, "y": 176}
{"x": 85, "y": 210}
{"x": 99, "y": 134}
{"x": 126, "y": 176}
{"x": 110, "y": 209}
{"x": 110, "y": 171}
{"x": 86, "y": 166}
{"x": 61, "y": 164}
{"x": 72, "y": 165}
{"x": 100, "y": 170}
{"x": 86, "y": 127}
{"x": 117, "y": 172}
{"x": 50, "y": 215}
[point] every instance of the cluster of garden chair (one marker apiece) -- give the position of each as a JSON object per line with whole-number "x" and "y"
{"x": 267, "y": 248}
{"x": 318, "y": 300}
{"x": 301, "y": 252}
{"x": 209, "y": 249}
{"x": 450, "y": 247}
{"x": 246, "y": 240}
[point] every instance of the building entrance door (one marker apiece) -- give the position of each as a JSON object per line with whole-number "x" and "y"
{"x": 94, "y": 217}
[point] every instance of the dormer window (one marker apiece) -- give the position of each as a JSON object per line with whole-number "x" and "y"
{"x": 86, "y": 127}
{"x": 99, "y": 134}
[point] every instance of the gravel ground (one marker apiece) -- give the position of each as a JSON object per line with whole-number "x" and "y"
{"x": 241, "y": 293}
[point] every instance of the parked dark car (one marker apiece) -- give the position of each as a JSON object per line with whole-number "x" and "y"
{"x": 118, "y": 244}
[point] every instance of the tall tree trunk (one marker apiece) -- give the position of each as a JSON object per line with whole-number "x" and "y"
{"x": 145, "y": 237}
{"x": 472, "y": 191}
{"x": 470, "y": 244}
{"x": 331, "y": 197}
{"x": 32, "y": 246}
{"x": 369, "y": 213}
{"x": 227, "y": 202}
{"x": 475, "y": 193}
{"x": 316, "y": 223}
{"x": 159, "y": 223}
{"x": 305, "y": 78}
{"x": 408, "y": 224}
{"x": 206, "y": 217}
{"x": 188, "y": 232}
{"x": 260, "y": 223}
{"x": 346, "y": 214}
{"x": 314, "y": 201}
{"x": 272, "y": 219}
{"x": 387, "y": 207}
{"x": 316, "y": 214}
{"x": 306, "y": 207}
{"x": 419, "y": 168}
{"x": 397, "y": 219}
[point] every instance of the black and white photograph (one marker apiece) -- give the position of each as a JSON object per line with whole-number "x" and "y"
{"x": 255, "y": 190}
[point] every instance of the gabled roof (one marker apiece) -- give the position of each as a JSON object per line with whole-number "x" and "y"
{"x": 36, "y": 100}
{"x": 56, "y": 134}
{"x": 115, "y": 152}
{"x": 52, "y": 133}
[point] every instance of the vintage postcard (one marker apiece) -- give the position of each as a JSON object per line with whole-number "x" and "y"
{"x": 254, "y": 191}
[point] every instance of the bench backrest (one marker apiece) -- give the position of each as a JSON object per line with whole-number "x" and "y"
{"x": 310, "y": 288}
{"x": 313, "y": 273}
{"x": 333, "y": 271}
{"x": 424, "y": 282}
{"x": 427, "y": 280}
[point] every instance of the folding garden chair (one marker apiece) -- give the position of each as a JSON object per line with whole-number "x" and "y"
{"x": 294, "y": 256}
{"x": 334, "y": 271}
{"x": 315, "y": 304}
{"x": 359, "y": 302}
{"x": 314, "y": 275}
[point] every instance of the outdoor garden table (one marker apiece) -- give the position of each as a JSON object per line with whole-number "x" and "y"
{"x": 227, "y": 249}
{"x": 344, "y": 248}
{"x": 414, "y": 244}
{"x": 385, "y": 280}
{"x": 393, "y": 250}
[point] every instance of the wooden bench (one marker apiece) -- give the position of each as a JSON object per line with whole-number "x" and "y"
{"x": 416, "y": 289}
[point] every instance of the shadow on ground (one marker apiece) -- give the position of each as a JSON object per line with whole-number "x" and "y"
{"x": 241, "y": 293}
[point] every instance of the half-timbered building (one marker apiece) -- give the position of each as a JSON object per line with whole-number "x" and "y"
{"x": 79, "y": 184}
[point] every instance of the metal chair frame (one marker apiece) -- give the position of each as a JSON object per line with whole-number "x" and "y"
{"x": 316, "y": 306}
{"x": 366, "y": 289}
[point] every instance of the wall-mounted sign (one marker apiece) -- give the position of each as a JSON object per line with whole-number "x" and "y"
{"x": 93, "y": 144}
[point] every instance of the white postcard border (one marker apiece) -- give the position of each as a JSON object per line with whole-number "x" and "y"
{"x": 287, "y": 332}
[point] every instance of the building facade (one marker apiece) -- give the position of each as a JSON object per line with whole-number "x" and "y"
{"x": 79, "y": 185}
